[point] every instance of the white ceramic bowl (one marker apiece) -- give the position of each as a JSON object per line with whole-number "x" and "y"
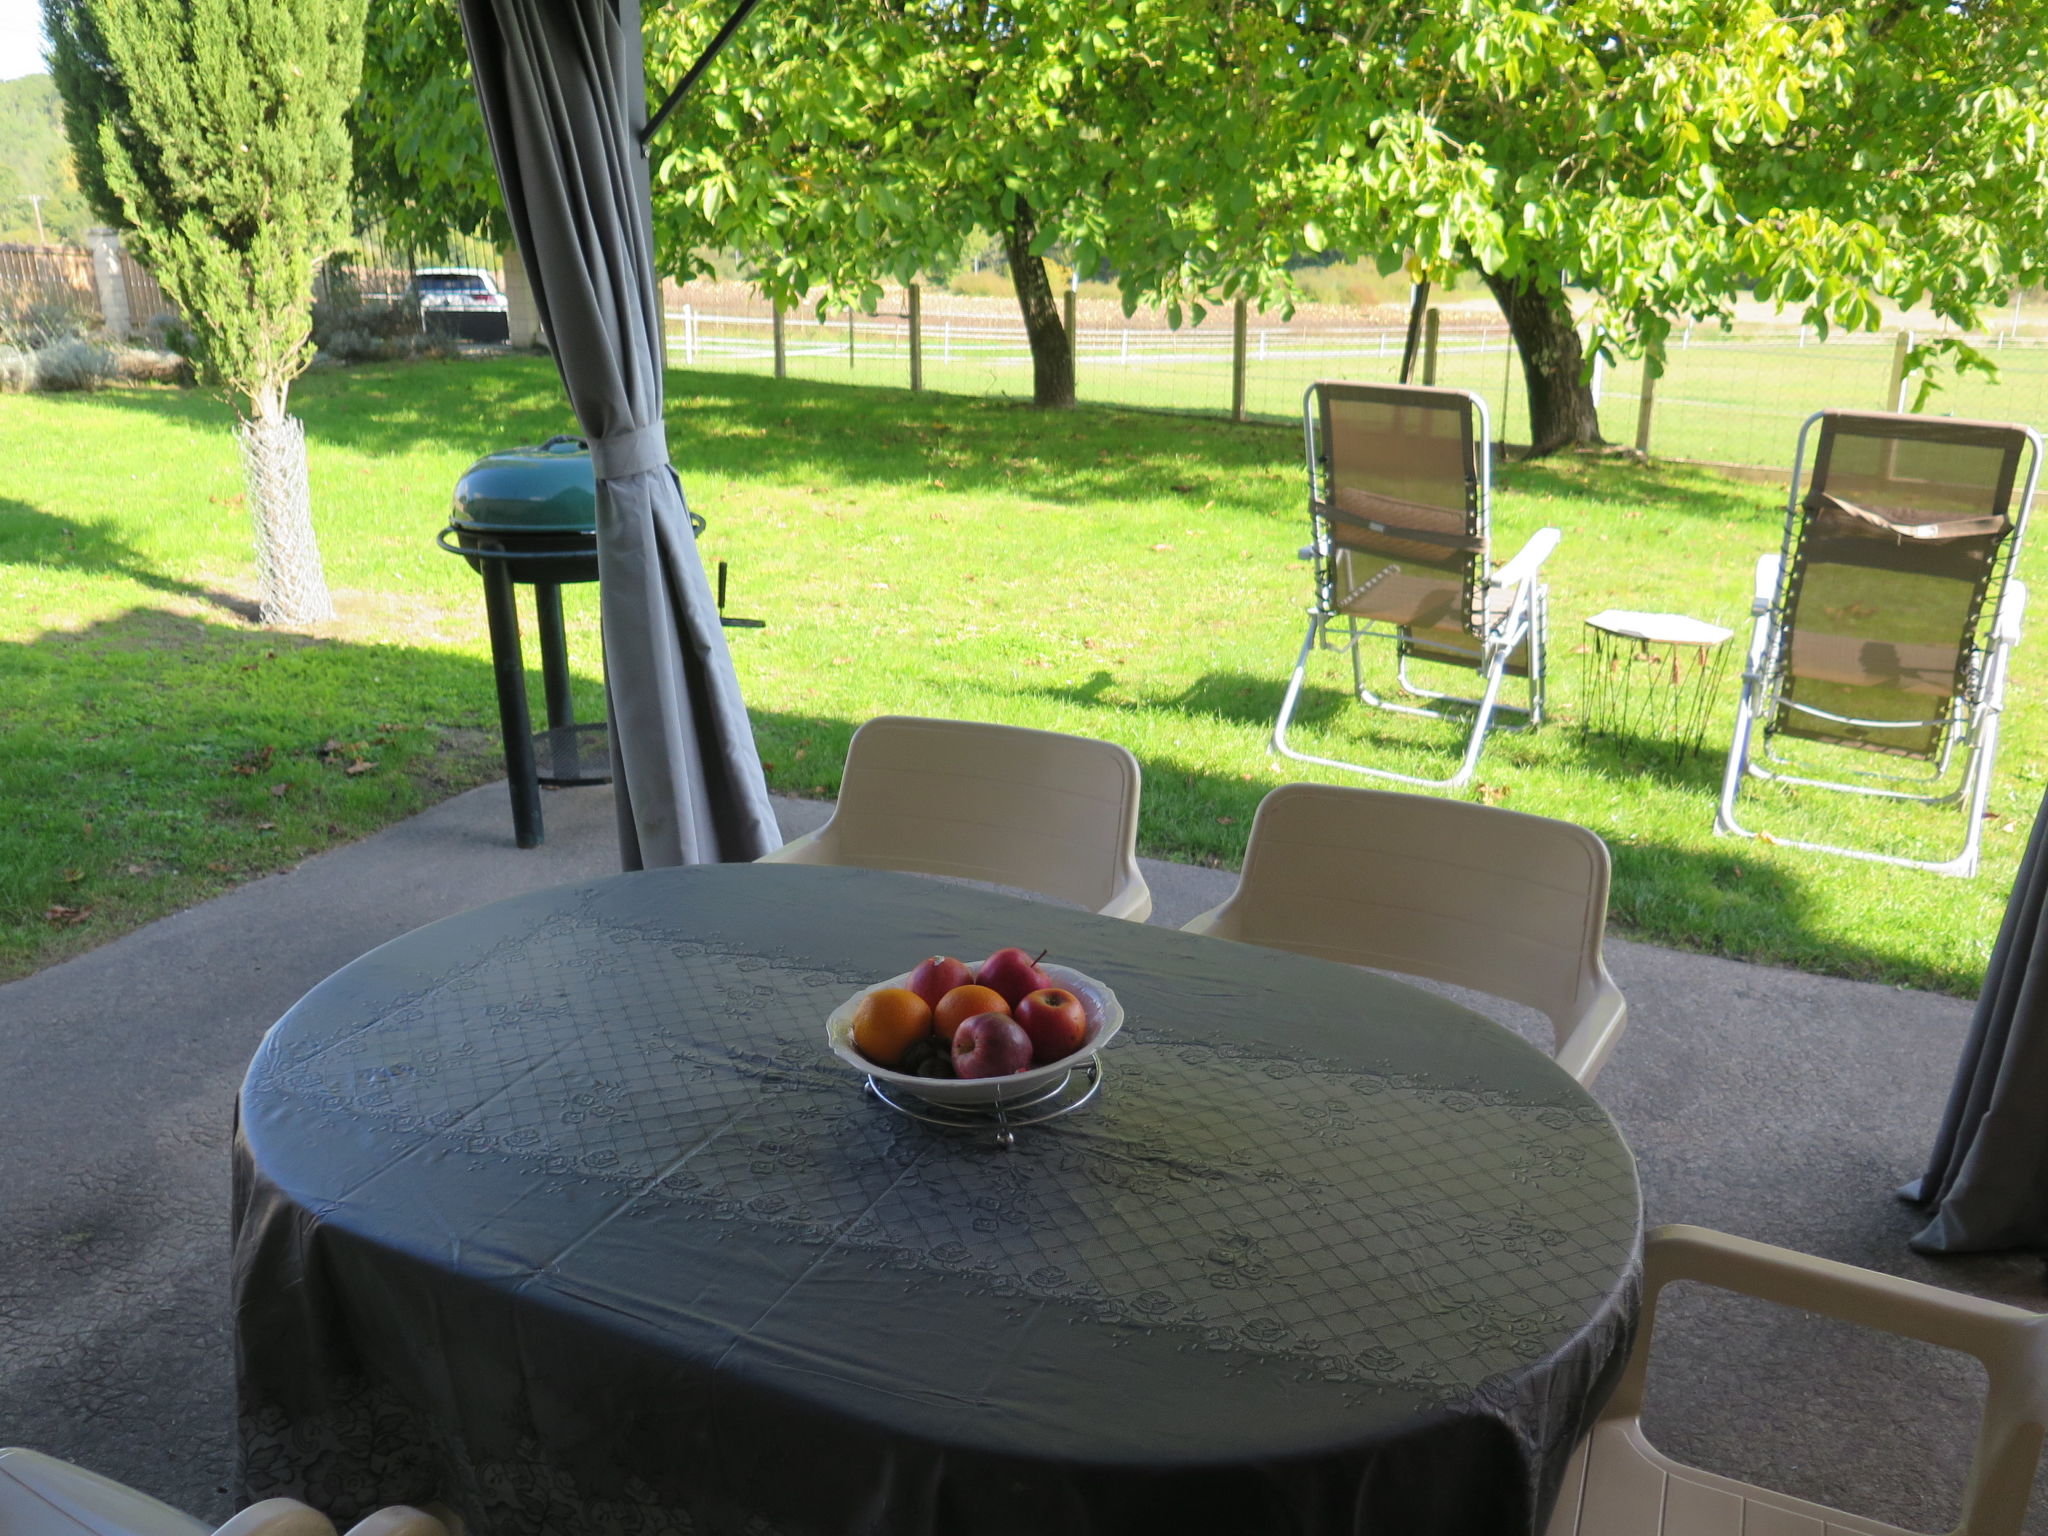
{"x": 1105, "y": 1018}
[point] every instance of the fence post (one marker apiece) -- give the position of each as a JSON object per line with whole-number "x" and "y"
{"x": 916, "y": 337}
{"x": 849, "y": 337}
{"x": 1431, "y": 322}
{"x": 1238, "y": 322}
{"x": 108, "y": 282}
{"x": 1643, "y": 408}
{"x": 1073, "y": 335}
{"x": 1895, "y": 391}
{"x": 690, "y": 335}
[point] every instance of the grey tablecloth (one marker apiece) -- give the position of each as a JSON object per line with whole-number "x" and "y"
{"x": 562, "y": 1211}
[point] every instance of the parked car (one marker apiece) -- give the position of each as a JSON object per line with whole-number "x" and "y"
{"x": 461, "y": 301}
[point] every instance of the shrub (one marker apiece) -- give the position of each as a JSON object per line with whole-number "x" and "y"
{"x": 17, "y": 370}
{"x": 352, "y": 329}
{"x": 30, "y": 321}
{"x": 73, "y": 364}
{"x": 148, "y": 365}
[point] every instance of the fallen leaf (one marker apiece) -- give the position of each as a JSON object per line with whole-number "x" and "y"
{"x": 72, "y": 876}
{"x": 217, "y": 867}
{"x": 1492, "y": 794}
{"x": 1227, "y": 821}
{"x": 266, "y": 826}
{"x": 1158, "y": 549}
{"x": 360, "y": 765}
{"x": 280, "y": 790}
{"x": 60, "y": 916}
{"x": 138, "y": 869}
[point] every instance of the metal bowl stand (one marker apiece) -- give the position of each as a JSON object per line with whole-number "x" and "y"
{"x": 1062, "y": 1098}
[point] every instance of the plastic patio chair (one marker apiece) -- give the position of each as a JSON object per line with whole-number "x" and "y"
{"x": 42, "y": 1496}
{"x": 1505, "y": 903}
{"x": 1035, "y": 810}
{"x": 1618, "y": 1484}
{"x": 1884, "y": 625}
{"x": 1400, "y": 495}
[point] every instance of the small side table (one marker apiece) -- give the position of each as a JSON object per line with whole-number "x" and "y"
{"x": 1653, "y": 676}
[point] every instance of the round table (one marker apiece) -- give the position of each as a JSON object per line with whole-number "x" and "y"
{"x": 562, "y": 1211}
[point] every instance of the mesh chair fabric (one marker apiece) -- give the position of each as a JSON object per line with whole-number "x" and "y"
{"x": 1904, "y": 526}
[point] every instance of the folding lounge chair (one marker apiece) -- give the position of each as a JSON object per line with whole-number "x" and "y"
{"x": 1885, "y": 624}
{"x": 1400, "y": 486}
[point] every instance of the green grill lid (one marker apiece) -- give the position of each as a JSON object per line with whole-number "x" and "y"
{"x": 547, "y": 488}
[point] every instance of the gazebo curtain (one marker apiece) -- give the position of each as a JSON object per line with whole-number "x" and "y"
{"x": 1987, "y": 1180}
{"x": 564, "y": 99}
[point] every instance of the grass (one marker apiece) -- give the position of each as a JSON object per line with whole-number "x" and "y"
{"x": 1119, "y": 575}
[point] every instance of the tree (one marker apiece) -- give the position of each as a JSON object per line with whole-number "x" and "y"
{"x": 212, "y": 131}
{"x": 840, "y": 141}
{"x": 422, "y": 156}
{"x": 1661, "y": 157}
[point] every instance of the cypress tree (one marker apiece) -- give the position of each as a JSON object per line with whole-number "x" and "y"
{"x": 213, "y": 130}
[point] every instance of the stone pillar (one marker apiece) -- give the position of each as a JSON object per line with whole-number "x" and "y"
{"x": 521, "y": 313}
{"x": 105, "y": 245}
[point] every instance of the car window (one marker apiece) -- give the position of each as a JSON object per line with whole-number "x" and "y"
{"x": 450, "y": 282}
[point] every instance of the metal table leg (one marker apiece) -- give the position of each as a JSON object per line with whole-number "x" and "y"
{"x": 508, "y": 664}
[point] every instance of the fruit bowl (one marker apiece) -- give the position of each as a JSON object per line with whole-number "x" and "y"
{"x": 1105, "y": 1018}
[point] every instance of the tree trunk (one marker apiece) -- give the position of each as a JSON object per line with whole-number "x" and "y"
{"x": 292, "y": 586}
{"x": 1052, "y": 349}
{"x": 1561, "y": 409}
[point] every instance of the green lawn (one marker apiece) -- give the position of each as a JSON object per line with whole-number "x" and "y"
{"x": 1127, "y": 576}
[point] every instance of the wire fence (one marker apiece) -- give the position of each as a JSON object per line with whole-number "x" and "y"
{"x": 1734, "y": 397}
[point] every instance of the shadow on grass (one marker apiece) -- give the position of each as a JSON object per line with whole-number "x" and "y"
{"x": 1721, "y": 897}
{"x": 31, "y": 536}
{"x": 747, "y": 427}
{"x": 168, "y": 757}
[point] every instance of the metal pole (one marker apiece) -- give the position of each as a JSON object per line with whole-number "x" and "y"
{"x": 1418, "y": 304}
{"x": 849, "y": 336}
{"x": 916, "y": 337}
{"x": 1239, "y": 321}
{"x": 1430, "y": 323}
{"x": 781, "y": 345}
{"x": 1643, "y": 408}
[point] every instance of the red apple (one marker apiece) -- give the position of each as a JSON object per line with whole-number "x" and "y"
{"x": 990, "y": 1045}
{"x": 1056, "y": 1022}
{"x": 1012, "y": 973}
{"x": 935, "y": 977}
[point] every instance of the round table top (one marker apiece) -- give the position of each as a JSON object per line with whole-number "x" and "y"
{"x": 1310, "y": 1206}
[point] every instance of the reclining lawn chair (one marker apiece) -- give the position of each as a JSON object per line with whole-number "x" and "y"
{"x": 1885, "y": 624}
{"x": 1400, "y": 486}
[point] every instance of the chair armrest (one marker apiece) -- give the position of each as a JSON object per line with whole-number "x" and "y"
{"x": 278, "y": 1517}
{"x": 1529, "y": 559}
{"x": 1871, "y": 1300}
{"x": 1132, "y": 901}
{"x": 2012, "y": 612}
{"x": 399, "y": 1520}
{"x": 1585, "y": 1050}
{"x": 1766, "y": 592}
{"x": 799, "y": 850}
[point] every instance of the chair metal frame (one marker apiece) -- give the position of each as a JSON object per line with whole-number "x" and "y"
{"x": 1523, "y": 618}
{"x": 1618, "y": 1484}
{"x": 1971, "y": 729}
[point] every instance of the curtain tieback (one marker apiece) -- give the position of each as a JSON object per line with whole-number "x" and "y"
{"x": 631, "y": 452}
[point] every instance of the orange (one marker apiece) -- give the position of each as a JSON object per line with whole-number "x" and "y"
{"x": 962, "y": 1004}
{"x": 888, "y": 1022}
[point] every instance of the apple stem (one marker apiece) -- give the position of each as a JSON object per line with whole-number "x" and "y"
{"x": 1041, "y": 955}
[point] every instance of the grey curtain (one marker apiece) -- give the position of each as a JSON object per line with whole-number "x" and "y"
{"x": 564, "y": 98}
{"x": 1987, "y": 1181}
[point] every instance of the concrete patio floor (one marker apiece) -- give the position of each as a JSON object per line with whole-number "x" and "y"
{"x": 1768, "y": 1103}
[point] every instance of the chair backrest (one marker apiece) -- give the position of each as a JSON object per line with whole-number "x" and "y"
{"x": 1038, "y": 810}
{"x": 1896, "y": 557}
{"x": 1398, "y": 486}
{"x": 1500, "y": 901}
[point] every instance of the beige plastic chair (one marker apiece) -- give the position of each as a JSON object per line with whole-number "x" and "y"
{"x": 42, "y": 1496}
{"x": 1618, "y": 1484}
{"x": 1505, "y": 903}
{"x": 1036, "y": 810}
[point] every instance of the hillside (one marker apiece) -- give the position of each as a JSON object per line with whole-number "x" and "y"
{"x": 34, "y": 158}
